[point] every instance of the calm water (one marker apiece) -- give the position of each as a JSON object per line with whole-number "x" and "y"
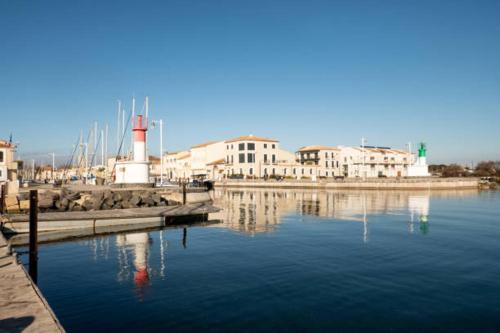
{"x": 294, "y": 261}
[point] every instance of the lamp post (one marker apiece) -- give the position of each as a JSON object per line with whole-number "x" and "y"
{"x": 154, "y": 123}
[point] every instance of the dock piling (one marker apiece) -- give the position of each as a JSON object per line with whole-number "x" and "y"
{"x": 2, "y": 199}
{"x": 184, "y": 193}
{"x": 33, "y": 236}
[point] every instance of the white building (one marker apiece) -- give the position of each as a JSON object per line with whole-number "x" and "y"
{"x": 258, "y": 157}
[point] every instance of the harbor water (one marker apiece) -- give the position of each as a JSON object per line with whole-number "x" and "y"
{"x": 291, "y": 261}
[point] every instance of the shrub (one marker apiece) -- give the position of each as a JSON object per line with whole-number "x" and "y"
{"x": 453, "y": 170}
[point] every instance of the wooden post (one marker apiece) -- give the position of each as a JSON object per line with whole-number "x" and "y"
{"x": 184, "y": 193}
{"x": 184, "y": 237}
{"x": 2, "y": 199}
{"x": 33, "y": 236}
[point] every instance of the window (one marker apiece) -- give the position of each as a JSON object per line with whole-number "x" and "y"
{"x": 337, "y": 164}
{"x": 227, "y": 147}
{"x": 231, "y": 146}
{"x": 265, "y": 171}
{"x": 241, "y": 146}
{"x": 327, "y": 173}
{"x": 241, "y": 171}
{"x": 265, "y": 145}
{"x": 284, "y": 171}
{"x": 232, "y": 159}
{"x": 326, "y": 164}
{"x": 242, "y": 158}
{"x": 372, "y": 158}
{"x": 310, "y": 171}
{"x": 274, "y": 158}
{"x": 274, "y": 146}
{"x": 273, "y": 171}
{"x": 332, "y": 155}
{"x": 251, "y": 158}
{"x": 294, "y": 171}
{"x": 250, "y": 171}
{"x": 250, "y": 146}
{"x": 265, "y": 158}
{"x": 1, "y": 156}
{"x": 302, "y": 171}
{"x": 326, "y": 155}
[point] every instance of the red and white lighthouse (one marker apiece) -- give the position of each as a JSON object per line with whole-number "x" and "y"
{"x": 139, "y": 131}
{"x": 136, "y": 171}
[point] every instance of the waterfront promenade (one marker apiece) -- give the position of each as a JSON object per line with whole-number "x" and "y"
{"x": 357, "y": 183}
{"x": 22, "y": 306}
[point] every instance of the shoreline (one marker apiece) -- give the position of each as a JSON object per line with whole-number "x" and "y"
{"x": 368, "y": 184}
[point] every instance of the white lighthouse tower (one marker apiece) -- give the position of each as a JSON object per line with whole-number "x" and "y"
{"x": 136, "y": 171}
{"x": 420, "y": 168}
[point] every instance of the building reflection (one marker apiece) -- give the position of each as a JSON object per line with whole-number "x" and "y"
{"x": 262, "y": 210}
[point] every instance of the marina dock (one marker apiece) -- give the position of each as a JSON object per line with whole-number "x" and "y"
{"x": 22, "y": 306}
{"x": 139, "y": 217}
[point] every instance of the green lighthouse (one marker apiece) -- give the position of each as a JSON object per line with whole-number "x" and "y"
{"x": 422, "y": 150}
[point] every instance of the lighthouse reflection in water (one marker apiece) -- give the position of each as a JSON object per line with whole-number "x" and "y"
{"x": 133, "y": 251}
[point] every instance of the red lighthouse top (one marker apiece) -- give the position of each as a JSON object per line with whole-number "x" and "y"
{"x": 140, "y": 130}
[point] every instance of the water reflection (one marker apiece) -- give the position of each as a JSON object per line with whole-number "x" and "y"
{"x": 133, "y": 252}
{"x": 261, "y": 210}
{"x": 258, "y": 211}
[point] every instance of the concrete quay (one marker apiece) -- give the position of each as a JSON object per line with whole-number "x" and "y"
{"x": 22, "y": 306}
{"x": 356, "y": 183}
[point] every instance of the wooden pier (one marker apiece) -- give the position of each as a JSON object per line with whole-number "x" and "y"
{"x": 22, "y": 306}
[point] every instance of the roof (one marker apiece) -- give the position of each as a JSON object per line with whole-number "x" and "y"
{"x": 251, "y": 138}
{"x": 154, "y": 158}
{"x": 317, "y": 147}
{"x": 216, "y": 162}
{"x": 201, "y": 145}
{"x": 5, "y": 144}
{"x": 183, "y": 156}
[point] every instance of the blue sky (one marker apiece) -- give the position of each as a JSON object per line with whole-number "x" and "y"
{"x": 303, "y": 72}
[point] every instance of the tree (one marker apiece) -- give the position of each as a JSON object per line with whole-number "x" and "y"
{"x": 453, "y": 170}
{"x": 486, "y": 169}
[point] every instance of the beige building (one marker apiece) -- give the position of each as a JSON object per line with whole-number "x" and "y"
{"x": 8, "y": 167}
{"x": 252, "y": 156}
{"x": 177, "y": 165}
{"x": 205, "y": 159}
